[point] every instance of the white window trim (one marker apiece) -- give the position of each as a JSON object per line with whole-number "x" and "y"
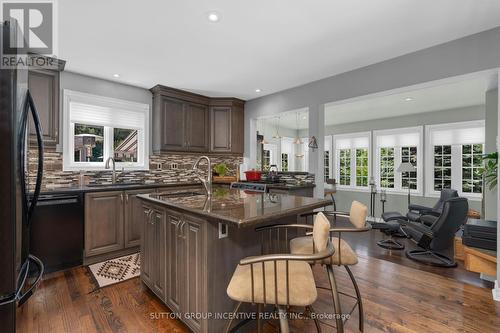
{"x": 70, "y": 96}
{"x": 397, "y": 160}
{"x": 456, "y": 160}
{"x": 335, "y": 167}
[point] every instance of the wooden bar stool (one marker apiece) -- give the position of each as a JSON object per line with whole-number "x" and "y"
{"x": 343, "y": 256}
{"x": 282, "y": 280}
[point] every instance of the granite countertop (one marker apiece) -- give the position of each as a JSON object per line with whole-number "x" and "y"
{"x": 237, "y": 207}
{"x": 113, "y": 187}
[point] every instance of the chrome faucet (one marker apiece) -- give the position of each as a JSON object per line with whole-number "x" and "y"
{"x": 207, "y": 183}
{"x": 113, "y": 179}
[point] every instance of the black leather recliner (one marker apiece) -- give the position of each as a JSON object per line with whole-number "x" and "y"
{"x": 416, "y": 212}
{"x": 437, "y": 240}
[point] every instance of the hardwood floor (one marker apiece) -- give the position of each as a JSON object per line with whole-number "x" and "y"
{"x": 398, "y": 294}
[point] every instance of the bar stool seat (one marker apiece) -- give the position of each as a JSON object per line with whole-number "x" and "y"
{"x": 302, "y": 288}
{"x": 344, "y": 255}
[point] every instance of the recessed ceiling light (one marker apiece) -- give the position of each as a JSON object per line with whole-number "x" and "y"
{"x": 409, "y": 99}
{"x": 213, "y": 17}
{"x": 258, "y": 90}
{"x": 116, "y": 75}
{"x": 304, "y": 117}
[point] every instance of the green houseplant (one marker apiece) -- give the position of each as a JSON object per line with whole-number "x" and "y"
{"x": 490, "y": 170}
{"x": 221, "y": 169}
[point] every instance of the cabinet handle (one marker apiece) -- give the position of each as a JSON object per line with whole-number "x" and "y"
{"x": 121, "y": 197}
{"x": 181, "y": 231}
{"x": 151, "y": 220}
{"x": 126, "y": 198}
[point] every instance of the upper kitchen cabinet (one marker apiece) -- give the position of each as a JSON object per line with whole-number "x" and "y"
{"x": 226, "y": 125}
{"x": 44, "y": 87}
{"x": 187, "y": 122}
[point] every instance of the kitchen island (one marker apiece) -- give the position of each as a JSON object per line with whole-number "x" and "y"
{"x": 191, "y": 245}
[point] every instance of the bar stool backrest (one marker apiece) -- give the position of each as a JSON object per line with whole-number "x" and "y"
{"x": 358, "y": 214}
{"x": 321, "y": 232}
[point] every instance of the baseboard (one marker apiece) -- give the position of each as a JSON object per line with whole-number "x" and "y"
{"x": 496, "y": 292}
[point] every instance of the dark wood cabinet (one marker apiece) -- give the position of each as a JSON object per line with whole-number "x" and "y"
{"x": 174, "y": 263}
{"x": 220, "y": 126}
{"x": 44, "y": 88}
{"x": 187, "y": 122}
{"x": 173, "y": 127}
{"x": 113, "y": 223}
{"x": 43, "y": 83}
{"x": 226, "y": 126}
{"x": 197, "y": 127}
{"x": 103, "y": 222}
{"x": 133, "y": 217}
{"x": 147, "y": 252}
{"x": 195, "y": 270}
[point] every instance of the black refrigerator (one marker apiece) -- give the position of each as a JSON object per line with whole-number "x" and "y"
{"x": 20, "y": 272}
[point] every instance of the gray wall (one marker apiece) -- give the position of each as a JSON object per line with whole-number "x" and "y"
{"x": 491, "y": 197}
{"x": 398, "y": 202}
{"x": 92, "y": 85}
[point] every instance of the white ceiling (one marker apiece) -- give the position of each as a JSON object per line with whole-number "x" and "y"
{"x": 448, "y": 96}
{"x": 267, "y": 44}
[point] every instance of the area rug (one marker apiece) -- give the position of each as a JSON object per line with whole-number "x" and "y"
{"x": 116, "y": 270}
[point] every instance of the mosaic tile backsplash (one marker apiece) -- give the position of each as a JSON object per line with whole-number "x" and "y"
{"x": 55, "y": 177}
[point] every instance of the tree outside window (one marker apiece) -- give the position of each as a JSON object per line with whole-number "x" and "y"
{"x": 409, "y": 155}
{"x": 442, "y": 167}
{"x": 471, "y": 168}
{"x": 387, "y": 167}
{"x": 327, "y": 165}
{"x": 362, "y": 167}
{"x": 284, "y": 162}
{"x": 345, "y": 167}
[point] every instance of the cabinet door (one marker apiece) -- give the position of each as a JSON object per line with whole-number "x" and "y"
{"x": 147, "y": 246}
{"x": 197, "y": 127}
{"x": 237, "y": 130}
{"x": 194, "y": 266}
{"x": 173, "y": 136}
{"x": 159, "y": 255}
{"x": 44, "y": 88}
{"x": 174, "y": 251}
{"x": 103, "y": 222}
{"x": 133, "y": 217}
{"x": 220, "y": 129}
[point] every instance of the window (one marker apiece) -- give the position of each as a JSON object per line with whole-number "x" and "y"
{"x": 394, "y": 147}
{"x": 352, "y": 160}
{"x": 327, "y": 165}
{"x": 455, "y": 151}
{"x": 327, "y": 158}
{"x": 345, "y": 167}
{"x": 387, "y": 167}
{"x": 442, "y": 167}
{"x": 287, "y": 153}
{"x": 284, "y": 162}
{"x": 266, "y": 160}
{"x": 269, "y": 156}
{"x": 409, "y": 179}
{"x": 97, "y": 128}
{"x": 472, "y": 162}
{"x": 362, "y": 167}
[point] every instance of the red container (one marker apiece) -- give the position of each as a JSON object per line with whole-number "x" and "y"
{"x": 253, "y": 175}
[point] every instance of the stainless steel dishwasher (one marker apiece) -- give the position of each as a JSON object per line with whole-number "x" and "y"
{"x": 56, "y": 235}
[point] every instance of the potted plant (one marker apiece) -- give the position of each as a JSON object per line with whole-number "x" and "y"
{"x": 221, "y": 171}
{"x": 490, "y": 175}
